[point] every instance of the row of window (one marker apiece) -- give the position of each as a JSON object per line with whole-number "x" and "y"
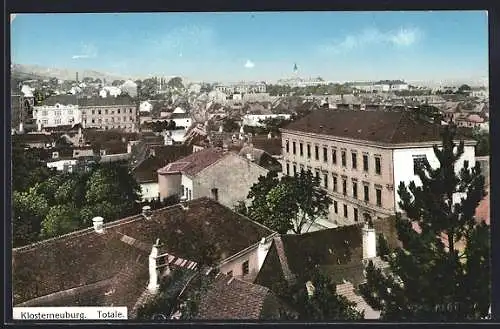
{"x": 335, "y": 188}
{"x": 245, "y": 269}
{"x": 57, "y": 113}
{"x": 118, "y": 119}
{"x": 106, "y": 111}
{"x": 343, "y": 156}
{"x": 345, "y": 208}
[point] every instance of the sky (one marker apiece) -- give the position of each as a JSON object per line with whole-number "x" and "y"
{"x": 260, "y": 46}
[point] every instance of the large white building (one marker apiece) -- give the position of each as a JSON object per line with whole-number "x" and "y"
{"x": 57, "y": 115}
{"x": 361, "y": 157}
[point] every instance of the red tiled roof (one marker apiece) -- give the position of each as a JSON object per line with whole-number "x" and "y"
{"x": 394, "y": 127}
{"x": 270, "y": 145}
{"x": 85, "y": 257}
{"x": 231, "y": 298}
{"x": 194, "y": 163}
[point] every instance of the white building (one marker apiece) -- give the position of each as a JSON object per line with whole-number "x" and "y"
{"x": 110, "y": 91}
{"x": 253, "y": 120}
{"x": 181, "y": 120}
{"x": 57, "y": 115}
{"x": 145, "y": 106}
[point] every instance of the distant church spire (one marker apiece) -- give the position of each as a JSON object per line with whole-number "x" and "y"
{"x": 295, "y": 68}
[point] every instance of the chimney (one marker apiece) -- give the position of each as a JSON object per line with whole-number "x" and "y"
{"x": 98, "y": 224}
{"x": 153, "y": 271}
{"x": 369, "y": 242}
{"x": 146, "y": 212}
{"x": 262, "y": 251}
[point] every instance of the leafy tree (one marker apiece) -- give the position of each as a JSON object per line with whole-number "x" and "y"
{"x": 175, "y": 82}
{"x": 117, "y": 83}
{"x": 60, "y": 219}
{"x": 483, "y": 142}
{"x": 27, "y": 169}
{"x": 313, "y": 297}
{"x": 382, "y": 246}
{"x": 28, "y": 210}
{"x": 433, "y": 277}
{"x": 464, "y": 89}
{"x": 289, "y": 203}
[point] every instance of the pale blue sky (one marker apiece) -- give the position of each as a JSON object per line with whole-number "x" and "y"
{"x": 338, "y": 46}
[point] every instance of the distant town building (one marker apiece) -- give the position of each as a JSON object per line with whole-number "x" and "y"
{"x": 110, "y": 91}
{"x": 361, "y": 157}
{"x": 242, "y": 87}
{"x": 145, "y": 106}
{"x": 57, "y": 115}
{"x": 254, "y": 120}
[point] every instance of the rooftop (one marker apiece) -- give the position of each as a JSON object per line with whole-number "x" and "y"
{"x": 85, "y": 258}
{"x": 194, "y": 163}
{"x": 146, "y": 171}
{"x": 394, "y": 127}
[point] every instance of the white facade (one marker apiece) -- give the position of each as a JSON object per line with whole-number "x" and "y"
{"x": 59, "y": 165}
{"x": 57, "y": 115}
{"x": 111, "y": 91}
{"x": 145, "y": 107}
{"x": 149, "y": 191}
{"x": 187, "y": 187}
{"x": 254, "y": 119}
{"x": 404, "y": 170}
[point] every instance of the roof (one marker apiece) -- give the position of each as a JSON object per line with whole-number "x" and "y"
{"x": 61, "y": 99}
{"x": 270, "y": 145}
{"x": 33, "y": 138}
{"x": 394, "y": 127}
{"x": 146, "y": 171}
{"x": 232, "y": 298}
{"x": 194, "y": 163}
{"x": 108, "y": 101}
{"x": 347, "y": 290}
{"x": 84, "y": 257}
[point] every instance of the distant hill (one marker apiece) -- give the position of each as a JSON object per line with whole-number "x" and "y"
{"x": 25, "y": 72}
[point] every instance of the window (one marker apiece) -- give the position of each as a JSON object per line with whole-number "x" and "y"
{"x": 245, "y": 268}
{"x": 317, "y": 174}
{"x": 366, "y": 192}
{"x": 316, "y": 152}
{"x": 418, "y": 160}
{"x": 57, "y": 113}
{"x": 287, "y": 148}
{"x": 294, "y": 169}
{"x": 355, "y": 189}
{"x": 354, "y": 160}
{"x": 379, "y": 196}
{"x": 57, "y": 121}
{"x": 93, "y": 120}
{"x": 335, "y": 207}
{"x": 377, "y": 165}
{"x": 105, "y": 111}
{"x": 344, "y": 162}
{"x": 365, "y": 162}
{"x": 334, "y": 156}
{"x": 301, "y": 149}
{"x": 118, "y": 111}
{"x": 99, "y": 112}
{"x": 288, "y": 169}
{"x": 130, "y": 111}
{"x": 355, "y": 214}
{"x": 325, "y": 180}
{"x": 325, "y": 154}
{"x": 182, "y": 190}
{"x": 334, "y": 183}
{"x": 301, "y": 168}
{"x": 186, "y": 192}
{"x": 344, "y": 186}
{"x": 345, "y": 211}
{"x": 44, "y": 113}
{"x": 293, "y": 148}
{"x": 190, "y": 196}
{"x": 131, "y": 118}
{"x": 215, "y": 194}
{"x": 45, "y": 121}
{"x": 70, "y": 111}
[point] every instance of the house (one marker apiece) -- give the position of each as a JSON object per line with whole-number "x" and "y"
{"x": 109, "y": 91}
{"x": 181, "y": 119}
{"x": 221, "y": 175}
{"x": 122, "y": 262}
{"x": 341, "y": 253}
{"x": 362, "y": 156}
{"x": 146, "y": 107}
{"x": 158, "y": 156}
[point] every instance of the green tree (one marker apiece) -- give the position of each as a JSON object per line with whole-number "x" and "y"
{"x": 27, "y": 168}
{"x": 313, "y": 297}
{"x": 175, "y": 82}
{"x": 432, "y": 277}
{"x": 289, "y": 203}
{"x": 483, "y": 142}
{"x": 382, "y": 246}
{"x": 28, "y": 211}
{"x": 60, "y": 219}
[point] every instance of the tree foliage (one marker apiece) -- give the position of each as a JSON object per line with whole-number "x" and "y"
{"x": 313, "y": 297}
{"x": 483, "y": 142}
{"x": 288, "y": 203}
{"x": 175, "y": 82}
{"x": 443, "y": 272}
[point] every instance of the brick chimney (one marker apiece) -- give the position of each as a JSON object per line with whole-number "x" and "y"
{"x": 98, "y": 224}
{"x": 369, "y": 242}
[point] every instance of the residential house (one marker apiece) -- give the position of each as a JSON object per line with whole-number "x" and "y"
{"x": 145, "y": 172}
{"x": 340, "y": 253}
{"x": 123, "y": 262}
{"x": 221, "y": 175}
{"x": 361, "y": 158}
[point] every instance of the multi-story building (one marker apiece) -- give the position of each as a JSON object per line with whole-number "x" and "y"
{"x": 57, "y": 115}
{"x": 109, "y": 113}
{"x": 242, "y": 87}
{"x": 361, "y": 157}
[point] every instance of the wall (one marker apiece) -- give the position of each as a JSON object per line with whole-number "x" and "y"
{"x": 169, "y": 185}
{"x": 110, "y": 117}
{"x": 47, "y": 115}
{"x": 187, "y": 183}
{"x": 149, "y": 191}
{"x": 403, "y": 164}
{"x": 232, "y": 176}
{"x": 382, "y": 181}
{"x": 59, "y": 165}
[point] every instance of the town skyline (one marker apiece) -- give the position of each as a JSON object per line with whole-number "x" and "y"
{"x": 230, "y": 47}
